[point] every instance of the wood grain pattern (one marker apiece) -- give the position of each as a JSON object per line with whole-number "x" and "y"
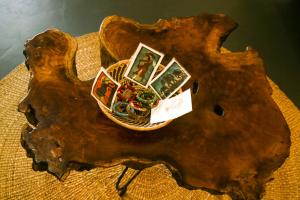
{"x": 231, "y": 142}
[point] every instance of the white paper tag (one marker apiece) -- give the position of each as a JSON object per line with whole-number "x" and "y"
{"x": 172, "y": 108}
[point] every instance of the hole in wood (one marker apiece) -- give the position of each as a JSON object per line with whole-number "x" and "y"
{"x": 219, "y": 110}
{"x": 195, "y": 87}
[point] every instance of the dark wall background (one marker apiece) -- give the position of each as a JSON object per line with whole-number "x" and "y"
{"x": 271, "y": 26}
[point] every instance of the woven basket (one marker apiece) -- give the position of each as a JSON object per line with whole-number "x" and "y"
{"x": 117, "y": 71}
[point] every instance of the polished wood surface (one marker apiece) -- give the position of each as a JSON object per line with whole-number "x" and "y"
{"x": 231, "y": 142}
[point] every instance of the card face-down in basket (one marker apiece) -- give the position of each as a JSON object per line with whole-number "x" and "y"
{"x": 104, "y": 89}
{"x": 172, "y": 108}
{"x": 143, "y": 64}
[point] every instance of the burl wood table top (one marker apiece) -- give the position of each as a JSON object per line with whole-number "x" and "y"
{"x": 234, "y": 151}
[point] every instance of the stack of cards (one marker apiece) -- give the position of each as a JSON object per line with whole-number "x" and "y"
{"x": 140, "y": 71}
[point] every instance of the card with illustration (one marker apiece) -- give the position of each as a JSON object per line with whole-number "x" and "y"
{"x": 170, "y": 80}
{"x": 104, "y": 89}
{"x": 143, "y": 65}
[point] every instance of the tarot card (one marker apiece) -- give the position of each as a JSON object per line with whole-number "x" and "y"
{"x": 104, "y": 89}
{"x": 170, "y": 80}
{"x": 143, "y": 65}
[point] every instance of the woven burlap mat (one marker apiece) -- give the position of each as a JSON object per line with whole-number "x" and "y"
{"x": 19, "y": 181}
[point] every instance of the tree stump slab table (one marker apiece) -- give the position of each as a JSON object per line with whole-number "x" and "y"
{"x": 231, "y": 142}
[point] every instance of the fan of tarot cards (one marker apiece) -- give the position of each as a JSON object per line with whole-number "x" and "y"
{"x": 128, "y": 90}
